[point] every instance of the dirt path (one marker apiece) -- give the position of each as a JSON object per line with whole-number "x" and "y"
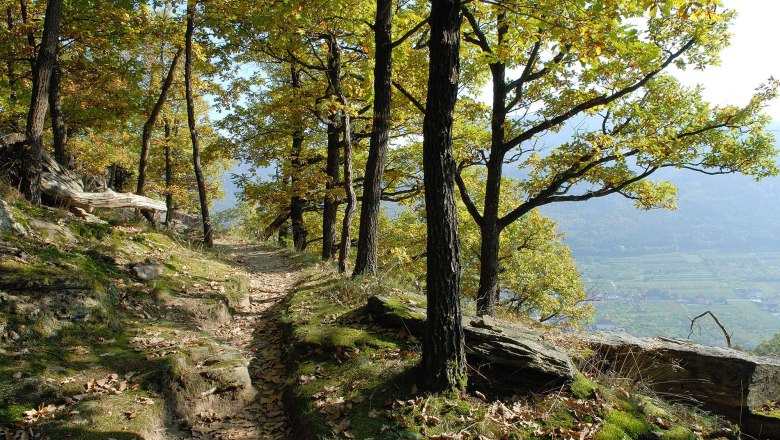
{"x": 256, "y": 332}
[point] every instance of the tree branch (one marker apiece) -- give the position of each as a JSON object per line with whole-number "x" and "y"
{"x": 464, "y": 195}
{"x": 409, "y": 96}
{"x": 722, "y": 328}
{"x": 409, "y": 33}
{"x": 594, "y": 102}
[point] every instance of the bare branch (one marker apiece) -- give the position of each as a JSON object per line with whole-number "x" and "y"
{"x": 722, "y": 328}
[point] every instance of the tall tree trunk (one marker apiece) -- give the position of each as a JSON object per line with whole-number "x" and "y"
{"x": 208, "y": 231}
{"x": 330, "y": 205}
{"x": 146, "y": 138}
{"x": 297, "y": 203}
{"x": 349, "y": 211}
{"x": 58, "y": 127}
{"x": 490, "y": 230}
{"x": 168, "y": 174}
{"x": 31, "y": 166}
{"x": 366, "y": 260}
{"x": 443, "y": 358}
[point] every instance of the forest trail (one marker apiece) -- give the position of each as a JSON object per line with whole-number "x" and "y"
{"x": 255, "y": 331}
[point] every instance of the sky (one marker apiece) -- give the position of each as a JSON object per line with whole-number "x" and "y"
{"x": 750, "y": 59}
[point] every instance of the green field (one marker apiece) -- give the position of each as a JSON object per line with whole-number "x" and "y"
{"x": 682, "y": 277}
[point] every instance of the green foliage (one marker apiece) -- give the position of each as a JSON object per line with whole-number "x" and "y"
{"x": 770, "y": 346}
{"x": 538, "y": 278}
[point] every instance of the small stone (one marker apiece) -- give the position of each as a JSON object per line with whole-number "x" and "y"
{"x": 147, "y": 272}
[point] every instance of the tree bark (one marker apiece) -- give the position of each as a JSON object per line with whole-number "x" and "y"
{"x": 349, "y": 211}
{"x": 146, "y": 138}
{"x": 58, "y": 127}
{"x": 443, "y": 361}
{"x": 168, "y": 174}
{"x": 32, "y": 163}
{"x": 330, "y": 205}
{"x": 488, "y": 291}
{"x": 297, "y": 203}
{"x": 208, "y": 231}
{"x": 366, "y": 260}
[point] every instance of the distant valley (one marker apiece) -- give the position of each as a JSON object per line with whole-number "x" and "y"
{"x": 719, "y": 251}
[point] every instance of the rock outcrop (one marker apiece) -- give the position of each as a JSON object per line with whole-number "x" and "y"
{"x": 725, "y": 381}
{"x": 508, "y": 357}
{"x": 7, "y": 221}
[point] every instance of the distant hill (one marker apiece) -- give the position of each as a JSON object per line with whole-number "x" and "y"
{"x": 721, "y": 213}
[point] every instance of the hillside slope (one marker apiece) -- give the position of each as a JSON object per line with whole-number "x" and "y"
{"x": 121, "y": 331}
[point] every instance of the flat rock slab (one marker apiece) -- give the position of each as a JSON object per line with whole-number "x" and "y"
{"x": 725, "y": 381}
{"x": 506, "y": 356}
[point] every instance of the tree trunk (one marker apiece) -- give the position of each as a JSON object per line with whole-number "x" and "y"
{"x": 277, "y": 223}
{"x": 297, "y": 203}
{"x": 488, "y": 291}
{"x": 58, "y": 127}
{"x": 168, "y": 174}
{"x": 443, "y": 362}
{"x": 349, "y": 211}
{"x": 32, "y": 164}
{"x": 208, "y": 232}
{"x": 366, "y": 260}
{"x": 330, "y": 205}
{"x": 146, "y": 138}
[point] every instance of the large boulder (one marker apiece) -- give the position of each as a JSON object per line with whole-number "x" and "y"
{"x": 725, "y": 381}
{"x": 509, "y": 358}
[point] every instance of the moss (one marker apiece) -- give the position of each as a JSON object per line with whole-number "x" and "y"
{"x": 398, "y": 306}
{"x": 336, "y": 336}
{"x": 612, "y": 432}
{"x": 678, "y": 433}
{"x": 119, "y": 417}
{"x": 12, "y": 413}
{"x": 620, "y": 424}
{"x": 583, "y": 388}
{"x": 774, "y": 414}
